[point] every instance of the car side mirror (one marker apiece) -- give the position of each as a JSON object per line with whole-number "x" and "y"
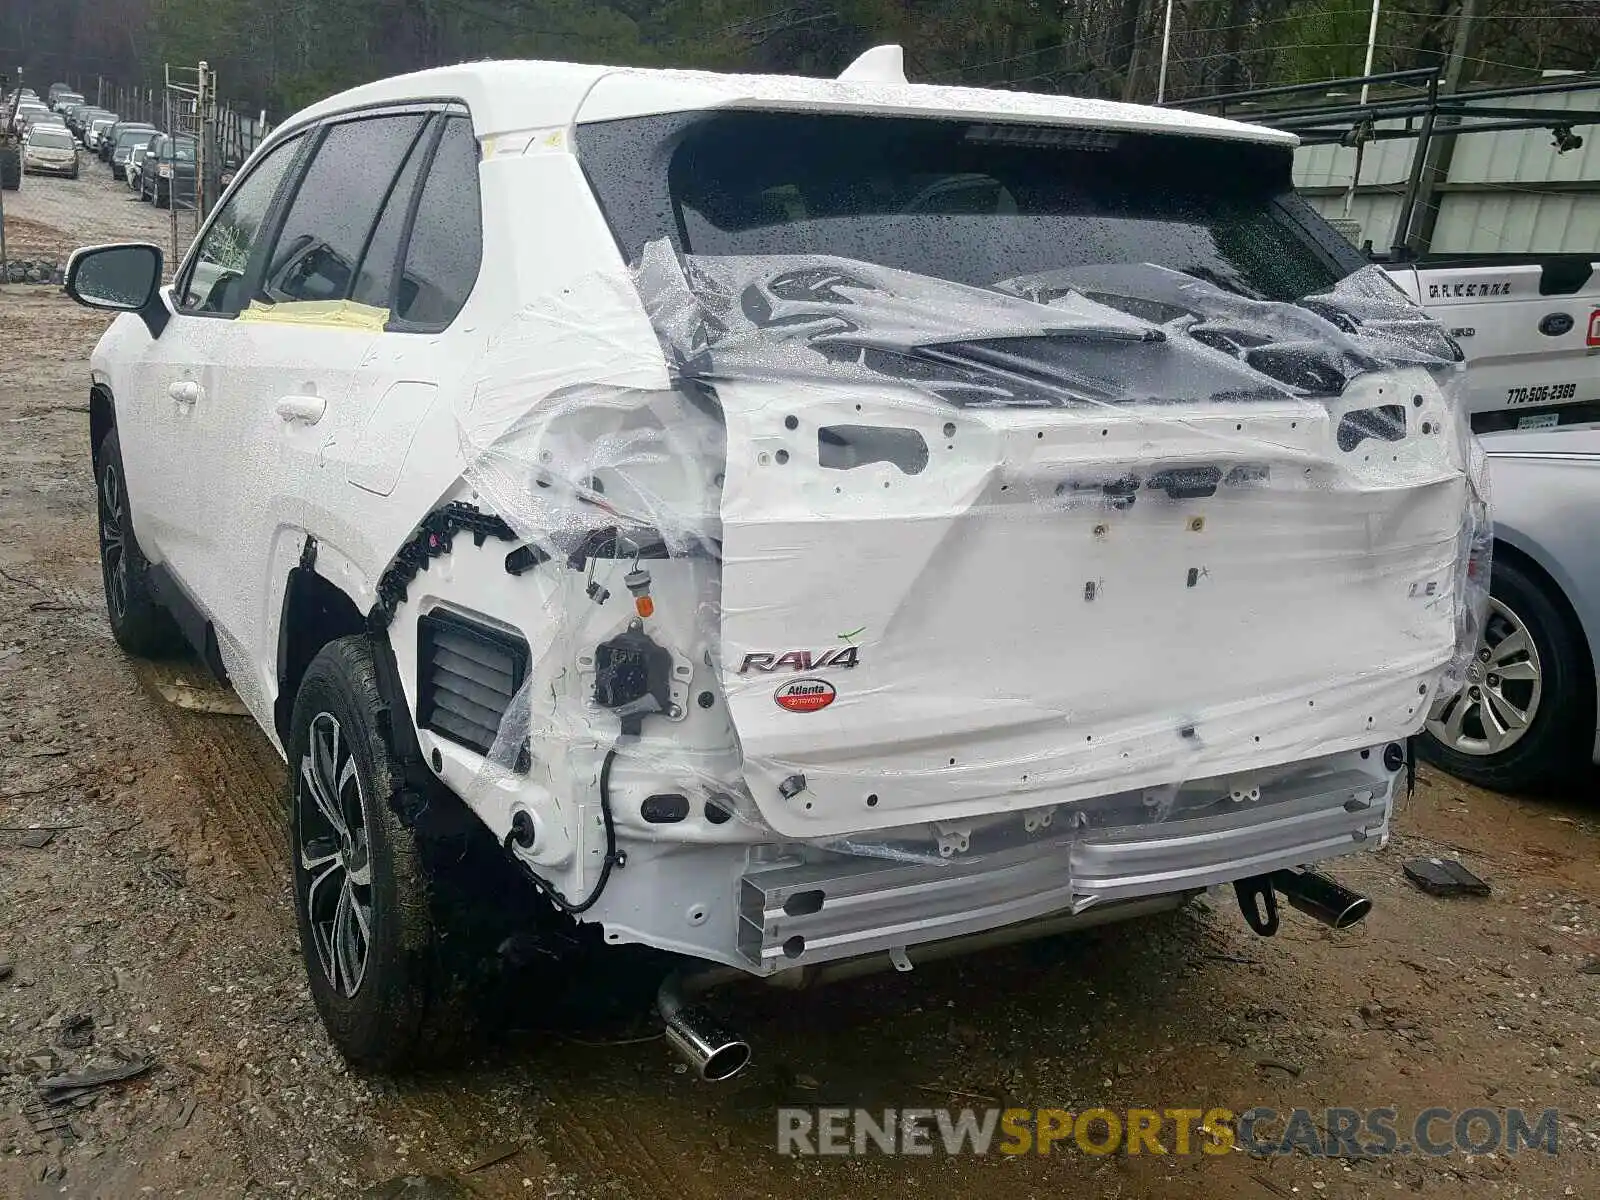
{"x": 125, "y": 277}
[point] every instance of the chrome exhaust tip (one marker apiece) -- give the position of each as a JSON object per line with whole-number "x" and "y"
{"x": 711, "y": 1050}
{"x": 1315, "y": 895}
{"x": 1335, "y": 905}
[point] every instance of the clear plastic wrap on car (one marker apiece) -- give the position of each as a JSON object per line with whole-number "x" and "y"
{"x": 923, "y": 557}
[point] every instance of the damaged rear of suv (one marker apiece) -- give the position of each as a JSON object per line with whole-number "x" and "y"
{"x": 847, "y": 522}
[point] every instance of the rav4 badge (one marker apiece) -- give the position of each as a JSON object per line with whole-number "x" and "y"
{"x": 805, "y": 695}
{"x": 802, "y": 660}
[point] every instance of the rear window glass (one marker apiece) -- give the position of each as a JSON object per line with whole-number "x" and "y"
{"x": 974, "y": 203}
{"x": 51, "y": 140}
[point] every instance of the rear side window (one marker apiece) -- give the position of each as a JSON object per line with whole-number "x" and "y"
{"x": 446, "y": 245}
{"x": 376, "y": 275}
{"x": 975, "y": 203}
{"x": 319, "y": 245}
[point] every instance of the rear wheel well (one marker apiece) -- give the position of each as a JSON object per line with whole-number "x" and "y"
{"x": 315, "y": 612}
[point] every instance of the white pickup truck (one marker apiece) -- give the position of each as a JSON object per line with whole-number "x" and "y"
{"x": 1530, "y": 328}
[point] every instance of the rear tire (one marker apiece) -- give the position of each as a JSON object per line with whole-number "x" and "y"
{"x": 368, "y": 910}
{"x": 139, "y": 623}
{"x": 1559, "y": 698}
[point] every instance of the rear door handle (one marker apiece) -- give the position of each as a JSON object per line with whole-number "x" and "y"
{"x": 306, "y": 409}
{"x": 185, "y": 391}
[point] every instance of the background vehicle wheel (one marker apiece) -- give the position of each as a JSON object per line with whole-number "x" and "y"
{"x": 370, "y": 917}
{"x": 138, "y": 622}
{"x": 1526, "y": 714}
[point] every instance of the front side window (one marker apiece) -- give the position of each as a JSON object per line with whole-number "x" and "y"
{"x": 328, "y": 225}
{"x": 214, "y": 282}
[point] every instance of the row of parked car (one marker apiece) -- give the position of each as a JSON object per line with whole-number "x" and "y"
{"x": 47, "y": 145}
{"x": 158, "y": 166}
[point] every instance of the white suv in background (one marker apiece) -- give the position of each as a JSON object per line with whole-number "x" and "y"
{"x": 800, "y": 524}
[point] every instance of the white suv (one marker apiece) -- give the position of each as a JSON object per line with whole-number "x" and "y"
{"x": 802, "y": 524}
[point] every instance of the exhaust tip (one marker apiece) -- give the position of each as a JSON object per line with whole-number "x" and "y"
{"x": 696, "y": 1035}
{"x": 726, "y": 1062}
{"x": 1352, "y": 913}
{"x": 1318, "y": 896}
{"x": 711, "y": 1051}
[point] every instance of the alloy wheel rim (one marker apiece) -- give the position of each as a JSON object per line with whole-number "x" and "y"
{"x": 334, "y": 856}
{"x": 113, "y": 540}
{"x": 1499, "y": 700}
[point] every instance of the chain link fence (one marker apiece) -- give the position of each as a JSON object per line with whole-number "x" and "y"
{"x": 212, "y": 138}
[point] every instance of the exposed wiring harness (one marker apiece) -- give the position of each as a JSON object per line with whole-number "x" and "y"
{"x": 613, "y": 858}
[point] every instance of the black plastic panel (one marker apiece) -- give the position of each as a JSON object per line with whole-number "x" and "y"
{"x": 467, "y": 674}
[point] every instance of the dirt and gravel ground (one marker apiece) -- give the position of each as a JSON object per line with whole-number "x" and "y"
{"x": 154, "y": 926}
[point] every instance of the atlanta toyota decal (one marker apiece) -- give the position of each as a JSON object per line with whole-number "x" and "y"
{"x": 805, "y": 695}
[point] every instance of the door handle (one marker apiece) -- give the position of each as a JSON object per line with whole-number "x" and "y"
{"x": 185, "y": 391}
{"x": 306, "y": 409}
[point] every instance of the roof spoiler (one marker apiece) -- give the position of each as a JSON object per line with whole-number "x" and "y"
{"x": 881, "y": 64}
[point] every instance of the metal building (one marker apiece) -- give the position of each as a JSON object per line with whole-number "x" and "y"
{"x": 1506, "y": 192}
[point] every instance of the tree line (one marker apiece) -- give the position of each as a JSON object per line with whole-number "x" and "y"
{"x": 281, "y": 54}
